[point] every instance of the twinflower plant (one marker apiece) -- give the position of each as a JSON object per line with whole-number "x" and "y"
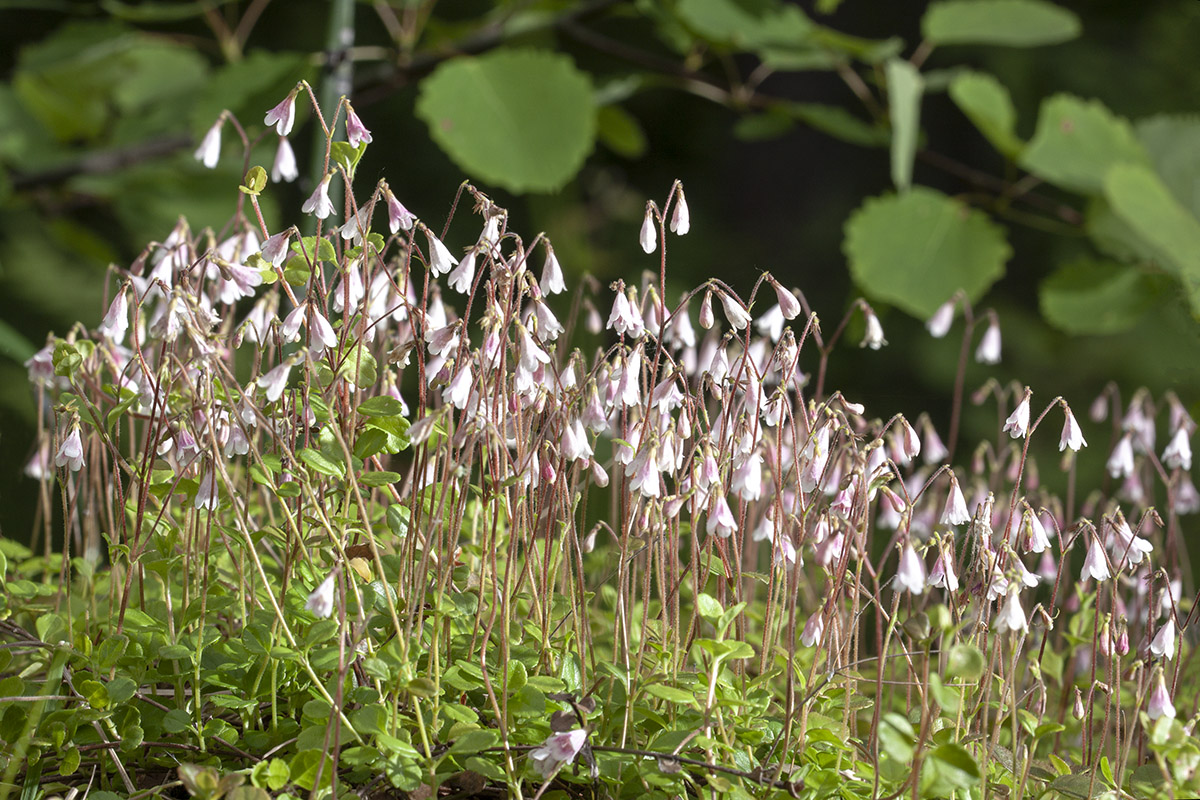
{"x": 348, "y": 506}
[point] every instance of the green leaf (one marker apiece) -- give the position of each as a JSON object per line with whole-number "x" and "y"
{"x": 474, "y": 742}
{"x": 347, "y": 157}
{"x": 904, "y": 87}
{"x": 381, "y": 406}
{"x": 1091, "y": 296}
{"x": 896, "y": 736}
{"x": 1144, "y": 203}
{"x": 747, "y": 26}
{"x": 383, "y": 478}
{"x": 255, "y": 181}
{"x": 620, "y": 132}
{"x": 839, "y": 123}
{"x": 320, "y": 462}
{"x": 521, "y": 119}
{"x": 1014, "y": 23}
{"x": 1173, "y": 144}
{"x": 957, "y": 765}
{"x": 670, "y": 694}
{"x": 965, "y": 661}
{"x": 988, "y": 105}
{"x": 708, "y": 607}
{"x": 177, "y": 721}
{"x": 1077, "y": 141}
{"x": 916, "y": 249}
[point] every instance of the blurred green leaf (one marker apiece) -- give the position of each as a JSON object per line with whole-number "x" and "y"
{"x": 839, "y": 123}
{"x": 747, "y": 25}
{"x": 1142, "y": 201}
{"x": 521, "y": 119}
{"x": 1173, "y": 144}
{"x": 916, "y": 249}
{"x": 965, "y": 661}
{"x": 1076, "y": 141}
{"x": 159, "y": 11}
{"x": 1090, "y": 296}
{"x": 1016, "y": 23}
{"x": 904, "y": 107}
{"x": 620, "y": 132}
{"x": 988, "y": 105}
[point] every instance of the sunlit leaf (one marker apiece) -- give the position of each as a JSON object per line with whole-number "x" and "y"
{"x": 916, "y": 249}
{"x": 521, "y": 119}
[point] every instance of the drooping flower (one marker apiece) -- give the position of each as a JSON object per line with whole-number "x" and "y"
{"x": 814, "y": 629}
{"x": 942, "y": 575}
{"x": 1179, "y": 451}
{"x": 320, "y": 602}
{"x": 1017, "y": 424}
{"x": 283, "y": 116}
{"x": 116, "y": 322}
{"x": 206, "y": 494}
{"x": 1072, "y": 435}
{"x": 873, "y": 335}
{"x": 274, "y": 382}
{"x": 746, "y": 481}
{"x": 458, "y": 391}
{"x": 738, "y": 317}
{"x": 910, "y": 575}
{"x": 284, "y": 167}
{"x": 720, "y": 517}
{"x": 464, "y": 274}
{"x": 70, "y": 452}
{"x": 939, "y": 324}
{"x": 933, "y": 448}
{"x": 320, "y": 334}
{"x": 552, "y": 274}
{"x": 1159, "y": 703}
{"x": 558, "y": 750}
{"x": 1120, "y": 462}
{"x": 209, "y": 151}
{"x": 1012, "y": 616}
{"x": 649, "y": 234}
{"x": 706, "y": 313}
{"x": 440, "y": 260}
{"x": 399, "y": 217}
{"x": 681, "y": 219}
{"x": 318, "y": 203}
{"x": 356, "y": 132}
{"x": 275, "y": 248}
{"x": 988, "y": 351}
{"x": 955, "y": 511}
{"x": 1163, "y": 643}
{"x": 1095, "y": 565}
{"x": 788, "y": 303}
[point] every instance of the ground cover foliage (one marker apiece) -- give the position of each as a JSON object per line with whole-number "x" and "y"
{"x": 339, "y": 510}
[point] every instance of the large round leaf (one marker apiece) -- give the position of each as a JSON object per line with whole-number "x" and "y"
{"x": 1090, "y": 296}
{"x": 521, "y": 119}
{"x": 1076, "y": 142}
{"x": 1016, "y": 23}
{"x": 916, "y": 249}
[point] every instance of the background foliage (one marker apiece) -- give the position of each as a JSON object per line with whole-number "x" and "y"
{"x": 1042, "y": 157}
